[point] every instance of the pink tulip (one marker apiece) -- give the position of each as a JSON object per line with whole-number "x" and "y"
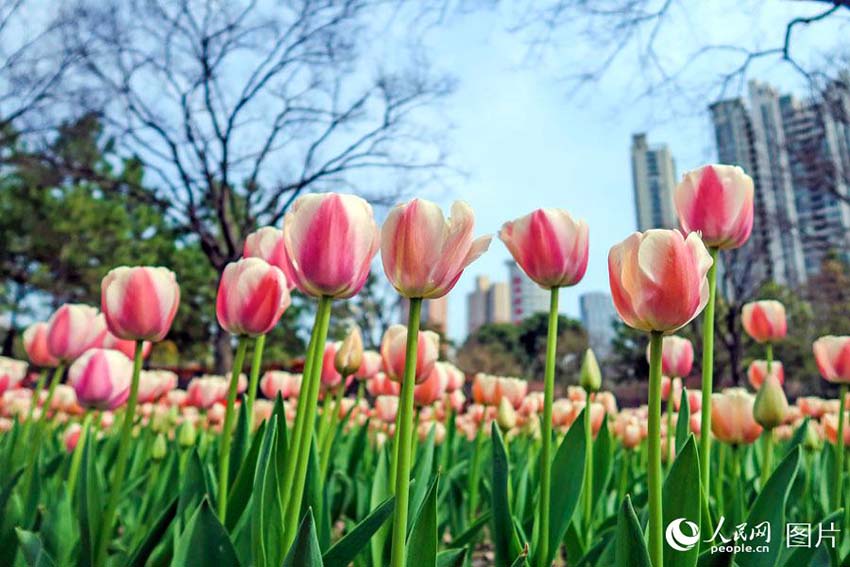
{"x": 549, "y": 246}
{"x": 677, "y": 356}
{"x": 564, "y": 412}
{"x": 694, "y": 400}
{"x": 658, "y": 279}
{"x": 203, "y": 392}
{"x": 154, "y": 384}
{"x": 765, "y": 320}
{"x": 371, "y": 364}
{"x": 732, "y": 418}
{"x": 671, "y": 386}
{"x": 830, "y": 428}
{"x": 12, "y": 372}
{"x": 433, "y": 387}
{"x": 381, "y": 385}
{"x": 267, "y": 243}
{"x": 608, "y": 401}
{"x": 717, "y": 202}
{"x": 758, "y": 372}
{"x": 110, "y": 341}
{"x": 424, "y": 253}
{"x": 632, "y": 436}
{"x": 72, "y": 436}
{"x": 101, "y": 378}
{"x": 275, "y": 382}
{"x": 35, "y": 343}
{"x": 252, "y": 295}
{"x": 832, "y": 355}
{"x": 485, "y": 389}
{"x": 514, "y": 390}
{"x": 331, "y": 378}
{"x": 456, "y": 400}
{"x": 393, "y": 352}
{"x": 330, "y": 242}
{"x": 456, "y": 378}
{"x": 139, "y": 302}
{"x": 386, "y": 408}
{"x": 72, "y": 330}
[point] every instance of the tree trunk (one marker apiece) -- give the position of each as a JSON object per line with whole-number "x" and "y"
{"x": 223, "y": 351}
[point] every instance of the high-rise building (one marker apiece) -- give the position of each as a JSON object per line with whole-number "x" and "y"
{"x": 653, "y": 179}
{"x": 598, "y": 317}
{"x": 487, "y": 303}
{"x": 434, "y": 314}
{"x": 527, "y": 298}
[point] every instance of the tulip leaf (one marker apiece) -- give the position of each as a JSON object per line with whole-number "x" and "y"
{"x": 33, "y": 550}
{"x": 567, "y": 471}
{"x": 422, "y": 543}
{"x": 204, "y": 541}
{"x": 380, "y": 492}
{"x": 90, "y": 505}
{"x": 681, "y": 503}
{"x": 140, "y": 555}
{"x": 683, "y": 421}
{"x": 343, "y": 552}
{"x": 505, "y": 539}
{"x": 305, "y": 550}
{"x": 769, "y": 509}
{"x": 631, "y": 547}
{"x": 602, "y": 455}
{"x": 716, "y": 559}
{"x": 239, "y": 444}
{"x": 421, "y": 472}
{"x": 8, "y": 487}
{"x": 469, "y": 535}
{"x": 452, "y": 557}
{"x": 267, "y": 516}
{"x": 240, "y": 491}
{"x": 803, "y": 555}
{"x": 798, "y": 437}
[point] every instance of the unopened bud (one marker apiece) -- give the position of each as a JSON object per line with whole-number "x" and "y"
{"x": 506, "y": 416}
{"x": 350, "y": 354}
{"x": 771, "y": 405}
{"x": 159, "y": 448}
{"x": 591, "y": 375}
{"x": 187, "y": 435}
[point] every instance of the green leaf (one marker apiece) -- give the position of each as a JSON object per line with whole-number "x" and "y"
{"x": 89, "y": 505}
{"x": 421, "y": 472}
{"x": 567, "y": 471}
{"x": 343, "y": 552}
{"x": 798, "y": 437}
{"x": 422, "y": 543}
{"x": 8, "y": 487}
{"x": 770, "y": 507}
{"x": 681, "y": 502}
{"x": 631, "y": 548}
{"x": 602, "y": 455}
{"x": 33, "y": 549}
{"x": 154, "y": 536}
{"x": 452, "y": 557}
{"x": 380, "y": 491}
{"x": 683, "y": 421}
{"x": 240, "y": 491}
{"x": 204, "y": 541}
{"x": 193, "y": 489}
{"x": 239, "y": 444}
{"x": 804, "y": 555}
{"x": 305, "y": 550}
{"x": 469, "y": 535}
{"x": 267, "y": 515}
{"x": 505, "y": 539}
{"x": 718, "y": 559}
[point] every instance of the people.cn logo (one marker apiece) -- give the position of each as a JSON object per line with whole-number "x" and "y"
{"x": 676, "y": 536}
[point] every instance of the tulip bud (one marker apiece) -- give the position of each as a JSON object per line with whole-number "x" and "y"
{"x": 591, "y": 375}
{"x": 771, "y": 405}
{"x": 506, "y": 416}
{"x": 159, "y": 448}
{"x": 812, "y": 441}
{"x": 187, "y": 434}
{"x": 349, "y": 356}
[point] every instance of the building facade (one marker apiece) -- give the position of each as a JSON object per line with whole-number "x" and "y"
{"x": 653, "y": 181}
{"x": 487, "y": 303}
{"x": 598, "y": 317}
{"x": 527, "y": 298}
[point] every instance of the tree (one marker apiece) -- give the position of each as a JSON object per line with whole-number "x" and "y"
{"x": 493, "y": 349}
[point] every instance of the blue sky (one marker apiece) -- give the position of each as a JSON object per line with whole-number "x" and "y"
{"x": 524, "y": 143}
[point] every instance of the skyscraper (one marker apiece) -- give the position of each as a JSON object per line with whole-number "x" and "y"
{"x": 487, "y": 303}
{"x": 598, "y": 317}
{"x": 527, "y": 298}
{"x": 653, "y": 179}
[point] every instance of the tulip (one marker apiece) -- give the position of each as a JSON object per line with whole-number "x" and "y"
{"x": 486, "y": 389}
{"x": 514, "y": 389}
{"x": 677, "y": 356}
{"x": 275, "y": 382}
{"x": 205, "y": 391}
{"x": 506, "y": 416}
{"x": 267, "y": 243}
{"x": 370, "y": 365}
{"x": 386, "y": 408}
{"x": 590, "y": 376}
{"x": 349, "y": 356}
{"x": 659, "y": 284}
{"x": 330, "y": 241}
{"x": 12, "y": 372}
{"x": 456, "y": 378}
{"x": 72, "y": 330}
{"x": 382, "y": 385}
{"x": 769, "y": 410}
{"x": 757, "y": 373}
{"x": 393, "y": 347}
{"x": 252, "y": 296}
{"x": 154, "y": 384}
{"x": 140, "y": 302}
{"x": 423, "y": 253}
{"x": 72, "y": 436}
{"x": 590, "y": 380}
{"x": 765, "y": 321}
{"x": 832, "y": 355}
{"x": 110, "y": 341}
{"x": 732, "y": 417}
{"x": 549, "y": 246}
{"x": 716, "y": 201}
{"x": 101, "y": 378}
{"x": 433, "y": 387}
{"x": 35, "y": 344}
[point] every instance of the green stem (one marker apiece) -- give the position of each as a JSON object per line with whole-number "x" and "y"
{"x": 707, "y": 373}
{"x": 78, "y": 454}
{"x": 588, "y": 470}
{"x": 36, "y": 394}
{"x": 669, "y": 439}
{"x": 839, "y": 448}
{"x": 227, "y": 428}
{"x": 768, "y": 348}
{"x": 767, "y": 457}
{"x": 474, "y": 474}
{"x": 624, "y": 475}
{"x": 403, "y": 437}
{"x": 654, "y": 476}
{"x": 256, "y": 364}
{"x": 721, "y": 470}
{"x": 120, "y": 462}
{"x": 546, "y": 447}
{"x": 330, "y": 433}
{"x": 51, "y": 390}
{"x": 312, "y": 382}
